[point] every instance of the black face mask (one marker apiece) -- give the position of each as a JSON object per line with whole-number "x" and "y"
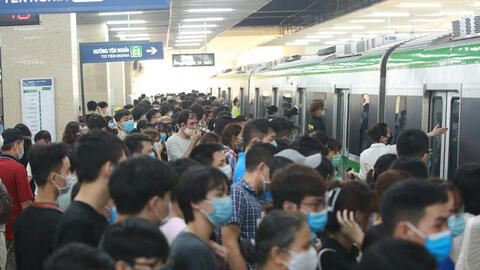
{"x": 389, "y": 139}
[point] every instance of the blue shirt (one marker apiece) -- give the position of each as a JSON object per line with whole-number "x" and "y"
{"x": 247, "y": 211}
{"x": 240, "y": 168}
{"x": 447, "y": 264}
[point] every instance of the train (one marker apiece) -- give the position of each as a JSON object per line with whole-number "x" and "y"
{"x": 416, "y": 83}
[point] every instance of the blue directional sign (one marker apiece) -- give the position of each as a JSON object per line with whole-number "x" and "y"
{"x": 66, "y": 6}
{"x": 120, "y": 51}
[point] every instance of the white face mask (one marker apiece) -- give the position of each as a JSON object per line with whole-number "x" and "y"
{"x": 189, "y": 132}
{"x": 66, "y": 188}
{"x": 303, "y": 260}
{"x": 227, "y": 170}
{"x": 164, "y": 220}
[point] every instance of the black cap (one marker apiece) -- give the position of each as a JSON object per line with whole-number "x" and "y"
{"x": 12, "y": 135}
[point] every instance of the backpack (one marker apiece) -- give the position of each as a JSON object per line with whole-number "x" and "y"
{"x": 6, "y": 204}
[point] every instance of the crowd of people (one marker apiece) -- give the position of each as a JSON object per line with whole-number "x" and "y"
{"x": 186, "y": 182}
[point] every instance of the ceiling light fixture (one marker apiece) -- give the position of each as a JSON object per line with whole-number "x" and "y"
{"x": 126, "y": 22}
{"x": 425, "y": 20}
{"x": 194, "y": 33}
{"x": 399, "y": 26}
{"x": 476, "y": 4}
{"x": 331, "y": 33}
{"x": 120, "y": 13}
{"x": 187, "y": 44}
{"x": 451, "y": 13}
{"x": 135, "y": 39}
{"x": 213, "y": 19}
{"x": 332, "y": 43}
{"x": 368, "y": 21}
{"x": 189, "y": 40}
{"x": 191, "y": 37}
{"x": 128, "y": 29}
{"x": 319, "y": 36}
{"x": 133, "y": 35}
{"x": 296, "y": 43}
{"x": 389, "y": 14}
{"x": 419, "y": 5}
{"x": 349, "y": 27}
{"x": 381, "y": 32}
{"x": 198, "y": 26}
{"x": 209, "y": 10}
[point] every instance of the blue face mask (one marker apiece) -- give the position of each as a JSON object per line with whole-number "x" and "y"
{"x": 456, "y": 224}
{"x": 317, "y": 220}
{"x": 112, "y": 125}
{"x": 129, "y": 126}
{"x": 222, "y": 211}
{"x": 292, "y": 140}
{"x": 21, "y": 154}
{"x": 438, "y": 244}
{"x": 274, "y": 143}
{"x": 163, "y": 137}
{"x": 113, "y": 215}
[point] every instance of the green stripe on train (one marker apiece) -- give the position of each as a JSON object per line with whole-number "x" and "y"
{"x": 420, "y": 58}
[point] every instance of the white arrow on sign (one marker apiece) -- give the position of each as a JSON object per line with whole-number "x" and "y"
{"x": 152, "y": 50}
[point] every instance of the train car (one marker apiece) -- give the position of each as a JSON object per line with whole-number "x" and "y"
{"x": 410, "y": 84}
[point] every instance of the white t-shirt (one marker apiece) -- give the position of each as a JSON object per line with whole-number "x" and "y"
{"x": 369, "y": 157}
{"x": 173, "y": 228}
{"x": 177, "y": 147}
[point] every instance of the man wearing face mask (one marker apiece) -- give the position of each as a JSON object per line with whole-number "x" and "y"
{"x": 248, "y": 198}
{"x": 125, "y": 123}
{"x": 301, "y": 189}
{"x": 141, "y": 187}
{"x": 417, "y": 211}
{"x": 14, "y": 177}
{"x": 205, "y": 204}
{"x": 97, "y": 154}
{"x": 211, "y": 154}
{"x": 35, "y": 227}
{"x": 181, "y": 144}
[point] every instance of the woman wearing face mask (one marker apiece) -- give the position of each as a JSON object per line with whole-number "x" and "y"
{"x": 350, "y": 211}
{"x": 283, "y": 242}
{"x": 382, "y": 137}
{"x": 230, "y": 139}
{"x": 334, "y": 147}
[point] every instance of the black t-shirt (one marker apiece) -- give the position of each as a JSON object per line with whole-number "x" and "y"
{"x": 34, "y": 232}
{"x": 188, "y": 252}
{"x": 82, "y": 224}
{"x": 335, "y": 256}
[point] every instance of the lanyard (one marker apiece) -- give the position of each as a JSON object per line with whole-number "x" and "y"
{"x": 47, "y": 205}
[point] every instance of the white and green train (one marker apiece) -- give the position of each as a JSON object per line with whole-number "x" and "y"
{"x": 413, "y": 84}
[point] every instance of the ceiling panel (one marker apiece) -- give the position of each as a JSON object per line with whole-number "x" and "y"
{"x": 386, "y": 18}
{"x": 168, "y": 25}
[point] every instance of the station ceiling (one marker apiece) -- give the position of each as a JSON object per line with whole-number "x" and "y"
{"x": 190, "y": 24}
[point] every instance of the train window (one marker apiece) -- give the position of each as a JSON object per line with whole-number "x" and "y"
{"x": 224, "y": 95}
{"x": 287, "y": 103}
{"x": 340, "y": 115}
{"x": 267, "y": 101}
{"x": 364, "y": 115}
{"x": 453, "y": 143}
{"x": 400, "y": 116}
{"x": 436, "y": 145}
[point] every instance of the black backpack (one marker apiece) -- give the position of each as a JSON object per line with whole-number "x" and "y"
{"x": 6, "y": 205}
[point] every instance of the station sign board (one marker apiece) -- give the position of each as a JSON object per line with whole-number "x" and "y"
{"x": 8, "y": 7}
{"x": 120, "y": 51}
{"x": 193, "y": 60}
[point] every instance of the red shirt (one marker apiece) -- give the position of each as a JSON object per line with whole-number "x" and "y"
{"x": 14, "y": 177}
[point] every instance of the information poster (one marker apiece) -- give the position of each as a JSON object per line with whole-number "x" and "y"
{"x": 38, "y": 105}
